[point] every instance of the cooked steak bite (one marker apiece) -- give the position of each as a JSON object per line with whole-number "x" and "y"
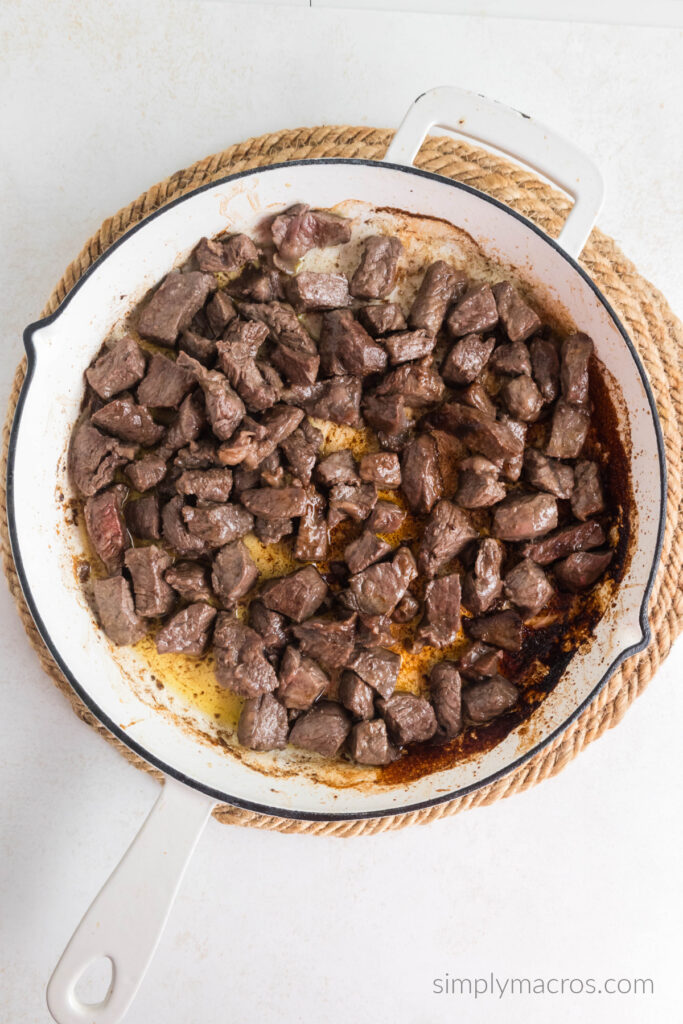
{"x": 467, "y": 358}
{"x": 523, "y": 398}
{"x": 483, "y": 585}
{"x": 295, "y": 353}
{"x": 329, "y": 642}
{"x": 569, "y": 429}
{"x": 271, "y": 531}
{"x": 188, "y": 631}
{"x": 236, "y": 357}
{"x": 263, "y": 724}
{"x": 449, "y": 451}
{"x": 377, "y": 667}
{"x": 225, "y": 256}
{"x": 257, "y": 284}
{"x": 406, "y": 609}
{"x": 361, "y": 553}
{"x": 217, "y": 525}
{"x": 386, "y": 518}
{"x": 233, "y": 574}
{"x": 299, "y": 229}
{"x": 445, "y": 691}
{"x": 581, "y": 570}
{"x": 275, "y": 502}
{"x": 105, "y": 526}
{"x": 356, "y": 502}
{"x": 375, "y": 275}
{"x": 548, "y": 474}
{"x": 408, "y": 345}
{"x": 118, "y": 368}
{"x": 525, "y": 516}
{"x": 528, "y": 587}
{"x": 165, "y": 384}
{"x": 478, "y": 397}
{"x": 188, "y": 424}
{"x": 480, "y": 661}
{"x": 475, "y": 312}
{"x": 224, "y": 408}
{"x": 545, "y": 365}
{"x": 206, "y": 484}
{"x": 502, "y": 629}
{"x": 382, "y": 318}
{"x": 576, "y": 352}
{"x": 190, "y": 580}
{"x": 356, "y": 696}
{"x": 440, "y": 286}
{"x": 241, "y": 665}
{"x": 421, "y": 479}
{"x": 254, "y": 442}
{"x": 519, "y": 320}
{"x": 346, "y": 347}
{"x": 587, "y": 498}
{"x": 143, "y": 518}
{"x": 512, "y": 359}
{"x": 312, "y": 541}
{"x": 200, "y": 454}
{"x": 486, "y": 700}
{"x": 378, "y": 589}
{"x": 301, "y": 450}
{"x": 337, "y": 399}
{"x": 440, "y": 624}
{"x": 323, "y": 729}
{"x": 409, "y": 719}
{"x": 419, "y": 383}
{"x": 576, "y": 537}
{"x": 369, "y": 743}
{"x": 338, "y": 468}
{"x": 478, "y": 483}
{"x": 173, "y": 304}
{"x": 512, "y": 467}
{"x": 480, "y": 432}
{"x": 447, "y": 531}
{"x": 374, "y": 631}
{"x": 297, "y": 596}
{"x": 153, "y": 595}
{"x": 386, "y": 414}
{"x": 302, "y": 681}
{"x": 270, "y": 625}
{"x": 128, "y": 421}
{"x": 146, "y": 472}
{"x": 116, "y": 611}
{"x": 309, "y": 290}
{"x": 198, "y": 346}
{"x": 220, "y": 310}
{"x": 175, "y": 532}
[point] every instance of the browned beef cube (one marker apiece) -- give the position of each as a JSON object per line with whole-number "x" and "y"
{"x": 483, "y": 584}
{"x": 519, "y": 320}
{"x": 545, "y": 366}
{"x": 233, "y": 573}
{"x": 356, "y": 696}
{"x": 382, "y": 469}
{"x": 271, "y": 531}
{"x": 382, "y": 318}
{"x": 188, "y": 424}
{"x": 375, "y": 275}
{"x": 309, "y": 290}
{"x": 528, "y": 587}
{"x": 188, "y": 631}
{"x": 338, "y": 468}
{"x": 512, "y": 359}
{"x": 475, "y": 312}
{"x": 299, "y": 229}
{"x": 190, "y": 580}
{"x": 374, "y": 631}
{"x": 418, "y": 383}
{"x": 421, "y": 479}
{"x": 525, "y": 516}
{"x": 329, "y": 642}
{"x": 581, "y": 570}
{"x": 480, "y": 661}
{"x": 117, "y": 369}
{"x": 282, "y": 322}
{"x": 441, "y": 285}
{"x": 220, "y": 310}
{"x": 512, "y": 467}
{"x": 226, "y": 256}
{"x": 312, "y": 541}
{"x": 576, "y": 353}
{"x": 297, "y": 596}
{"x": 365, "y": 550}
{"x": 523, "y": 399}
{"x": 173, "y": 304}
{"x": 409, "y": 719}
{"x": 275, "y": 502}
{"x": 446, "y": 533}
{"x": 175, "y": 532}
{"x": 378, "y": 589}
{"x": 301, "y": 680}
{"x": 353, "y": 501}
{"x": 548, "y": 474}
{"x": 449, "y": 451}
{"x": 143, "y": 518}
{"x": 369, "y": 743}
{"x": 386, "y": 518}
{"x": 477, "y": 396}
{"x": 502, "y": 629}
{"x": 198, "y": 347}
{"x": 206, "y": 484}
{"x": 441, "y": 621}
{"x": 241, "y": 665}
{"x": 105, "y": 526}
{"x": 254, "y": 442}
{"x": 224, "y": 408}
{"x": 128, "y": 421}
{"x": 478, "y": 483}
{"x": 467, "y": 358}
{"x": 116, "y": 611}
{"x": 569, "y": 429}
{"x": 323, "y": 729}
{"x": 486, "y": 700}
{"x": 301, "y": 450}
{"x": 481, "y": 433}
{"x": 202, "y": 454}
{"x": 385, "y": 413}
{"x": 337, "y": 399}
{"x": 263, "y": 724}
{"x": 236, "y": 357}
{"x": 346, "y": 347}
{"x": 165, "y": 384}
{"x": 587, "y": 498}
{"x": 298, "y": 365}
{"x": 146, "y": 472}
{"x": 576, "y": 537}
{"x": 217, "y": 525}
{"x": 257, "y": 284}
{"x": 377, "y": 667}
{"x": 445, "y": 693}
{"x": 406, "y": 609}
{"x": 153, "y": 595}
{"x": 270, "y": 626}
{"x": 408, "y": 345}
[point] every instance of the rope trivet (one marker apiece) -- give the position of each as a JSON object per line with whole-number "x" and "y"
{"x": 656, "y": 332}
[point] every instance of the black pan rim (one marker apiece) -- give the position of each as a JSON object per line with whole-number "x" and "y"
{"x": 279, "y": 812}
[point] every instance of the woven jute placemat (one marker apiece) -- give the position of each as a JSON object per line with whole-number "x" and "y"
{"x": 656, "y": 332}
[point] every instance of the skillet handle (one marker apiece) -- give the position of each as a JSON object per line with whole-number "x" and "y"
{"x": 127, "y": 917}
{"x": 518, "y": 136}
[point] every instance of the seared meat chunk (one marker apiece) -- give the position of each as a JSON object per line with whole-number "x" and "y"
{"x": 576, "y": 537}
{"x": 378, "y": 589}
{"x": 569, "y": 429}
{"x": 330, "y": 642}
{"x": 172, "y": 306}
{"x": 165, "y": 384}
{"x": 143, "y": 518}
{"x": 217, "y": 525}
{"x": 386, "y": 518}
{"x": 153, "y": 595}
{"x": 377, "y": 667}
{"x": 254, "y": 442}
{"x": 117, "y": 369}
{"x": 297, "y": 596}
{"x": 361, "y": 553}
{"x": 233, "y": 574}
{"x": 449, "y": 451}
{"x": 271, "y": 626}
{"x": 337, "y": 399}
{"x": 295, "y": 353}
{"x": 206, "y": 484}
{"x": 312, "y": 541}
{"x": 581, "y": 570}
{"x": 374, "y": 631}
{"x": 502, "y": 629}
{"x": 519, "y": 320}
{"x": 116, "y": 611}
{"x": 475, "y": 312}
{"x": 382, "y": 469}
{"x": 445, "y": 691}
{"x": 375, "y": 275}
{"x": 299, "y": 229}
{"x": 369, "y": 743}
{"x": 309, "y": 290}
{"x": 188, "y": 631}
{"x": 480, "y": 661}
{"x": 237, "y": 359}
{"x": 528, "y": 587}
{"x": 338, "y": 468}
{"x": 418, "y": 383}
{"x": 441, "y": 622}
{"x": 512, "y": 359}
{"x": 525, "y": 516}
{"x": 480, "y": 432}
{"x": 440, "y": 286}
{"x": 224, "y": 408}
{"x": 406, "y": 609}
{"x": 346, "y": 347}
{"x": 483, "y": 584}
{"x": 512, "y": 467}
{"x": 587, "y": 498}
{"x": 386, "y": 414}
{"x": 478, "y": 483}
{"x": 523, "y": 398}
{"x": 576, "y": 352}
{"x": 220, "y": 310}
{"x": 408, "y": 345}
{"x": 545, "y": 365}
{"x": 175, "y": 532}
{"x": 301, "y": 450}
{"x": 301, "y": 680}
{"x": 353, "y": 501}
{"x": 257, "y": 284}
{"x": 409, "y": 719}
{"x": 188, "y": 424}
{"x": 105, "y": 526}
{"x": 323, "y": 729}
{"x": 271, "y": 531}
{"x": 263, "y": 724}
{"x": 421, "y": 479}
{"x": 356, "y": 696}
{"x": 128, "y": 421}
{"x": 548, "y": 474}
{"x": 467, "y": 358}
{"x": 477, "y": 396}
{"x": 446, "y": 533}
{"x": 241, "y": 665}
{"x": 190, "y": 580}
{"x": 275, "y": 502}
{"x": 225, "y": 255}
{"x": 199, "y": 347}
{"x": 146, "y": 472}
{"x": 382, "y": 318}
{"x": 488, "y": 699}
{"x": 197, "y": 455}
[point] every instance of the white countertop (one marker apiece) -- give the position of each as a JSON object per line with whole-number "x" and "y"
{"x": 580, "y": 877}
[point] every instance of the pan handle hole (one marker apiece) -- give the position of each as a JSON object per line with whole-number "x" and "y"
{"x": 94, "y": 984}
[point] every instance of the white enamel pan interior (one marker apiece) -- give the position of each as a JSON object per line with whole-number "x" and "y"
{"x": 60, "y": 347}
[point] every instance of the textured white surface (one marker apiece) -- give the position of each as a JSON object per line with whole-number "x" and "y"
{"x": 580, "y": 876}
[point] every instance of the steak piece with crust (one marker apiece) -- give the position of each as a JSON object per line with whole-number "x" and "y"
{"x": 118, "y": 368}
{"x": 263, "y": 724}
{"x": 173, "y": 304}
{"x": 116, "y": 611}
{"x": 375, "y": 275}
{"x": 188, "y": 631}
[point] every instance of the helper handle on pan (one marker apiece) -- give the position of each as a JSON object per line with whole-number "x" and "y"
{"x": 517, "y": 135}
{"x": 127, "y": 917}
